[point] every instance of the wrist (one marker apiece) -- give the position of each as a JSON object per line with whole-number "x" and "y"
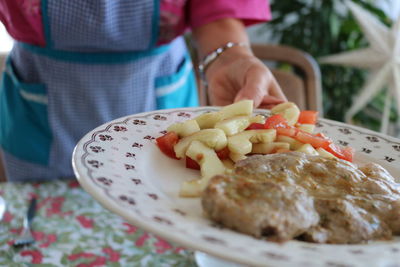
{"x": 223, "y": 51}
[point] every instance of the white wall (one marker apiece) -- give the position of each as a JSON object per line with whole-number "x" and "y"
{"x": 5, "y": 46}
{"x": 5, "y": 40}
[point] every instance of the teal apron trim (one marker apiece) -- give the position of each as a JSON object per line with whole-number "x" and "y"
{"x": 92, "y": 58}
{"x": 185, "y": 96}
{"x": 178, "y": 89}
{"x": 174, "y": 78}
{"x": 24, "y": 126}
{"x": 155, "y": 24}
{"x": 46, "y": 25}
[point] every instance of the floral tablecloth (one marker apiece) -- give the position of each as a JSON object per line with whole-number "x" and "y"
{"x": 72, "y": 229}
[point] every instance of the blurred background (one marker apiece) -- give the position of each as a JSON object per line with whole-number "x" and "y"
{"x": 320, "y": 28}
{"x": 327, "y": 27}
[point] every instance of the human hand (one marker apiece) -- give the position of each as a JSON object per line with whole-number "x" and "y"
{"x": 237, "y": 74}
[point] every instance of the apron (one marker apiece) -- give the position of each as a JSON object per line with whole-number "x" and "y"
{"x": 105, "y": 64}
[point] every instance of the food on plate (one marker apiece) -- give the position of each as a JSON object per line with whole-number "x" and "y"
{"x": 241, "y": 143}
{"x": 234, "y": 133}
{"x": 208, "y": 120}
{"x": 185, "y": 128}
{"x": 213, "y": 138}
{"x": 210, "y": 165}
{"x": 272, "y": 176}
{"x": 289, "y": 111}
{"x": 237, "y": 124}
{"x": 296, "y": 195}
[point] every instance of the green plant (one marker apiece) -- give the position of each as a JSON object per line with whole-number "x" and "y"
{"x": 325, "y": 27}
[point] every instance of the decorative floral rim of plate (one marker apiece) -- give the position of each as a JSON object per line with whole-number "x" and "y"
{"x": 119, "y": 164}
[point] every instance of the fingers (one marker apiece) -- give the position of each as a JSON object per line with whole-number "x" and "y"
{"x": 270, "y": 101}
{"x": 274, "y": 97}
{"x": 276, "y": 91}
{"x": 263, "y": 89}
{"x": 255, "y": 87}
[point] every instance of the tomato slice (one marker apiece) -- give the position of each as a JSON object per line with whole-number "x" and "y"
{"x": 255, "y": 126}
{"x": 346, "y": 153}
{"x": 223, "y": 153}
{"x": 167, "y": 142}
{"x": 192, "y": 164}
{"x": 279, "y": 123}
{"x": 288, "y": 131}
{"x": 275, "y": 121}
{"x": 321, "y": 135}
{"x": 308, "y": 117}
{"x": 314, "y": 140}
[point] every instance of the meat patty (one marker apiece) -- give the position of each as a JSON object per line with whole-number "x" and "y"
{"x": 294, "y": 195}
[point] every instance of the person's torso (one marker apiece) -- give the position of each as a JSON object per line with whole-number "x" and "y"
{"x": 77, "y": 64}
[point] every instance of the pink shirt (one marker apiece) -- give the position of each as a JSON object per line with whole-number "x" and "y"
{"x": 23, "y": 18}
{"x": 173, "y": 20}
{"x": 249, "y": 11}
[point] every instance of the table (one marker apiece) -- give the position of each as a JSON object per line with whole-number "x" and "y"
{"x": 72, "y": 229}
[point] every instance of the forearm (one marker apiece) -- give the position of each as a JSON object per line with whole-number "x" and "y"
{"x": 213, "y": 35}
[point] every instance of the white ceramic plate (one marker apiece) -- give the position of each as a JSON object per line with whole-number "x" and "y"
{"x": 119, "y": 164}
